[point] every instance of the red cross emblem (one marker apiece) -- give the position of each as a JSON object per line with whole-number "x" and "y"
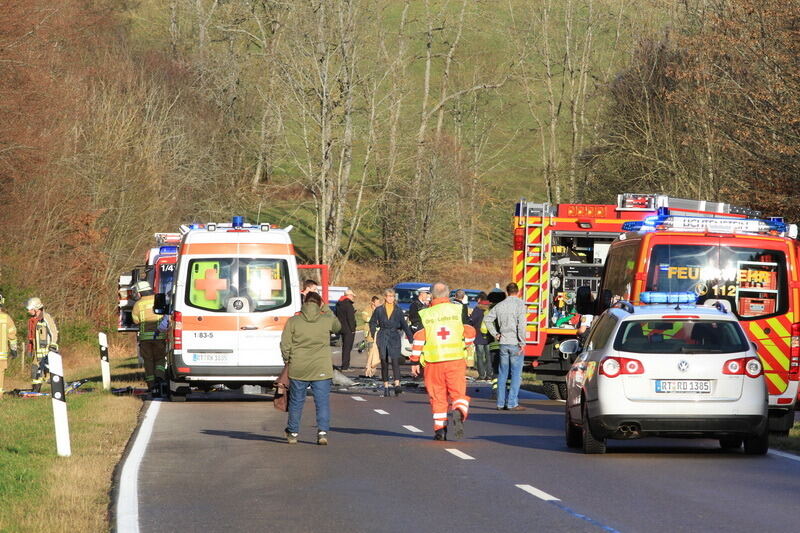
{"x": 211, "y": 284}
{"x": 443, "y": 333}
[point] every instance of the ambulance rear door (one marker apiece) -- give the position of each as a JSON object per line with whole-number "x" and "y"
{"x": 210, "y": 331}
{"x": 268, "y": 285}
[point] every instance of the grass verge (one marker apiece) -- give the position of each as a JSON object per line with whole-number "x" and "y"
{"x": 40, "y": 491}
{"x": 787, "y": 444}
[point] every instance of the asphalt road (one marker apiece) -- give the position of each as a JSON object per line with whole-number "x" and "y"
{"x": 219, "y": 463}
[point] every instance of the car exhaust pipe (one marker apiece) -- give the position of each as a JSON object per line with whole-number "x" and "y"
{"x": 630, "y": 430}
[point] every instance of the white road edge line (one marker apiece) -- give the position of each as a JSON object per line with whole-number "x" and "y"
{"x": 128, "y": 496}
{"x": 785, "y": 455}
{"x": 358, "y": 398}
{"x": 413, "y": 429}
{"x": 460, "y": 454}
{"x": 380, "y": 411}
{"x": 538, "y": 493}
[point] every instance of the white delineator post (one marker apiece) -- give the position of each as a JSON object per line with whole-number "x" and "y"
{"x": 59, "y": 404}
{"x": 105, "y": 367}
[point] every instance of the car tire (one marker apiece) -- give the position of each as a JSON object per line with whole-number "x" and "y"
{"x": 590, "y": 443}
{"x": 757, "y": 444}
{"x": 571, "y": 431}
{"x": 780, "y": 425}
{"x": 179, "y": 395}
{"x": 551, "y": 390}
{"x": 730, "y": 443}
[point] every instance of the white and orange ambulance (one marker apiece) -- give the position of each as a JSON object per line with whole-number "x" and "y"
{"x": 235, "y": 286}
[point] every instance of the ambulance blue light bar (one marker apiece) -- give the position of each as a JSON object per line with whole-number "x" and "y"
{"x": 654, "y": 297}
{"x": 168, "y": 250}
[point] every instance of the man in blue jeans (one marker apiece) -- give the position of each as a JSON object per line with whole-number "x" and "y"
{"x": 506, "y": 322}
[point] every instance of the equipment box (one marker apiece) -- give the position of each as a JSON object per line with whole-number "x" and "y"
{"x": 756, "y": 306}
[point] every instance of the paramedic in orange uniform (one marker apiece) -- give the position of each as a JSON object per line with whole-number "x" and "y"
{"x": 443, "y": 346}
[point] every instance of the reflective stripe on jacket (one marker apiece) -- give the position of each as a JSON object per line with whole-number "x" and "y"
{"x": 8, "y": 335}
{"x": 147, "y": 320}
{"x": 443, "y": 336}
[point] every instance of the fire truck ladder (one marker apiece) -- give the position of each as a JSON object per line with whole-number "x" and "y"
{"x": 535, "y": 275}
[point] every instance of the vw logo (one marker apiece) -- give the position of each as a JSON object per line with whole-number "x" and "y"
{"x": 238, "y": 305}
{"x": 683, "y": 366}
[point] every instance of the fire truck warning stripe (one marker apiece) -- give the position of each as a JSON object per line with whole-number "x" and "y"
{"x": 768, "y": 343}
{"x": 778, "y": 328}
{"x": 224, "y": 248}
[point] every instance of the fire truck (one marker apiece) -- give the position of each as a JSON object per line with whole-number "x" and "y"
{"x": 559, "y": 248}
{"x": 158, "y": 270}
{"x": 749, "y": 265}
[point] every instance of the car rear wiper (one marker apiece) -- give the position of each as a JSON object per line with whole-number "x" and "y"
{"x": 699, "y": 349}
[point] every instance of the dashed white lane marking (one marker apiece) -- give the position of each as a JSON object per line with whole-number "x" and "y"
{"x": 460, "y": 454}
{"x": 358, "y": 398}
{"x": 380, "y": 411}
{"x": 413, "y": 429}
{"x": 128, "y": 496}
{"x": 538, "y": 493}
{"x": 785, "y": 455}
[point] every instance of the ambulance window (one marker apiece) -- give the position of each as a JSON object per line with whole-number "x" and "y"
{"x": 216, "y": 284}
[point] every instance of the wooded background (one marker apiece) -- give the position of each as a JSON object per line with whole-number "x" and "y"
{"x": 389, "y": 132}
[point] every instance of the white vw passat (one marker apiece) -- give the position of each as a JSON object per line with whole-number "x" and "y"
{"x": 662, "y": 370}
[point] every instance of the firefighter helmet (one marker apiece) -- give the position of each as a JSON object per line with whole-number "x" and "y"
{"x": 142, "y": 286}
{"x": 34, "y": 304}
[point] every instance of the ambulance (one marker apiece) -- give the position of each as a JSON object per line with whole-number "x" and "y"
{"x": 750, "y": 265}
{"x": 235, "y": 286}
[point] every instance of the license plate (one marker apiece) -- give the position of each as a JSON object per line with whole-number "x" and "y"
{"x": 699, "y": 386}
{"x": 211, "y": 357}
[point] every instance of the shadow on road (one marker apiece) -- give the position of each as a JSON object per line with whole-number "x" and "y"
{"x": 379, "y": 432}
{"x": 244, "y": 435}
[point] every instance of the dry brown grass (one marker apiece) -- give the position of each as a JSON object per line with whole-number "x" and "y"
{"x": 72, "y": 493}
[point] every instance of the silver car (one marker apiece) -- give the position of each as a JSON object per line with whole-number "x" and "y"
{"x": 667, "y": 371}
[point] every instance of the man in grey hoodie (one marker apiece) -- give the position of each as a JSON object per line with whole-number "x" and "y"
{"x": 511, "y": 318}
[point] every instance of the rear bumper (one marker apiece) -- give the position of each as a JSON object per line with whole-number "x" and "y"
{"x": 673, "y": 426}
{"x": 220, "y": 374}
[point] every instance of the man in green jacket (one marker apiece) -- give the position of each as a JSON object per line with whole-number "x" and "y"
{"x": 305, "y": 347}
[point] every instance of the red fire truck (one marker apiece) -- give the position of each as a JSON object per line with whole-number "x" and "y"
{"x": 749, "y": 265}
{"x": 559, "y": 248}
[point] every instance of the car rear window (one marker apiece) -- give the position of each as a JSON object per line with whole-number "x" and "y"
{"x": 680, "y": 336}
{"x": 215, "y": 282}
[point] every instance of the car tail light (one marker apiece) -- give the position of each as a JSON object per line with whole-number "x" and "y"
{"x": 794, "y": 354}
{"x": 614, "y": 366}
{"x": 744, "y": 366}
{"x": 519, "y": 239}
{"x": 177, "y": 330}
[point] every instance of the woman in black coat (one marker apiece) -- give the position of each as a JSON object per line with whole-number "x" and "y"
{"x": 390, "y": 324}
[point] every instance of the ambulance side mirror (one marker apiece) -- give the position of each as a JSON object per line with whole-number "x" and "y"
{"x": 161, "y": 304}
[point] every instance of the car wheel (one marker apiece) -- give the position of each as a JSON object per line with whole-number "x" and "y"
{"x": 780, "y": 425}
{"x": 730, "y": 443}
{"x": 571, "y": 431}
{"x": 757, "y": 444}
{"x": 590, "y": 443}
{"x": 179, "y": 395}
{"x": 551, "y": 390}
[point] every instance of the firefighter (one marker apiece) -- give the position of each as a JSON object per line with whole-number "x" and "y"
{"x": 152, "y": 339}
{"x": 442, "y": 347}
{"x": 42, "y": 337}
{"x": 8, "y": 341}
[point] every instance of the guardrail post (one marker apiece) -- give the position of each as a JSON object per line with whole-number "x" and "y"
{"x": 105, "y": 367}
{"x": 59, "y": 404}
